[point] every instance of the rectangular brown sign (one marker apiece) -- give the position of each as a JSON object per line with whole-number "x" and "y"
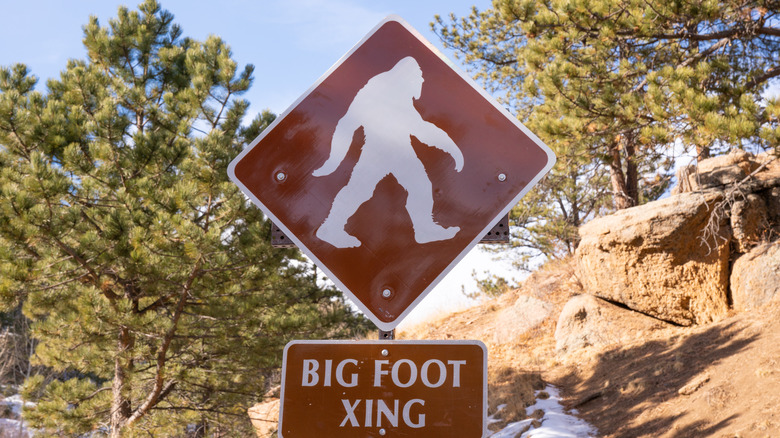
{"x": 410, "y": 389}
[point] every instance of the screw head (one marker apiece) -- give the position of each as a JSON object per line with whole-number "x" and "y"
{"x": 502, "y": 177}
{"x": 382, "y": 432}
{"x": 387, "y": 293}
{"x": 281, "y": 176}
{"x": 385, "y": 352}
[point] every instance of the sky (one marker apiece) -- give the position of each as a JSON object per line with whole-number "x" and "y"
{"x": 291, "y": 43}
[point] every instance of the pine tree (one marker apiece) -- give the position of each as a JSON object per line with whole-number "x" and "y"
{"x": 615, "y": 83}
{"x": 152, "y": 288}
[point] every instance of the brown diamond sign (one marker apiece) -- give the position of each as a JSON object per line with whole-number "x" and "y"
{"x": 390, "y": 169}
{"x": 410, "y": 389}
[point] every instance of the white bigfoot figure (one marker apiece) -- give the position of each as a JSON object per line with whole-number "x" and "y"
{"x": 384, "y": 107}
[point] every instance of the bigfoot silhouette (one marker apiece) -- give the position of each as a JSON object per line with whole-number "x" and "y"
{"x": 384, "y": 107}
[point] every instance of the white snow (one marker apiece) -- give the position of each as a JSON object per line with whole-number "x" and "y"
{"x": 556, "y": 423}
{"x": 13, "y": 427}
{"x": 15, "y": 402}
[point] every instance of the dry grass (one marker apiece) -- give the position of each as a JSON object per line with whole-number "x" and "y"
{"x": 513, "y": 389}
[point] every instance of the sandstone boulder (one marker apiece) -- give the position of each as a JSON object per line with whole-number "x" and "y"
{"x": 766, "y": 184}
{"x": 265, "y": 417}
{"x": 755, "y": 277}
{"x": 749, "y": 221}
{"x": 716, "y": 172}
{"x": 653, "y": 259}
{"x": 589, "y": 321}
{"x": 512, "y": 322}
{"x": 772, "y": 167}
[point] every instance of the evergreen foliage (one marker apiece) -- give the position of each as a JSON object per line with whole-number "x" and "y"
{"x": 152, "y": 288}
{"x": 611, "y": 85}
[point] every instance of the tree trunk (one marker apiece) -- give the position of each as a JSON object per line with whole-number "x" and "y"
{"x": 702, "y": 152}
{"x": 120, "y": 403}
{"x": 632, "y": 173}
{"x": 574, "y": 215}
{"x": 624, "y": 183}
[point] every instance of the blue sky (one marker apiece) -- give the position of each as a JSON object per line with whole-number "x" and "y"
{"x": 291, "y": 43}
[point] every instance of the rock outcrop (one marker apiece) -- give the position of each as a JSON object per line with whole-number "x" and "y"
{"x": 671, "y": 258}
{"x": 749, "y": 221}
{"x": 265, "y": 417}
{"x": 589, "y": 321}
{"x": 755, "y": 277}
{"x": 654, "y": 259}
{"x": 716, "y": 172}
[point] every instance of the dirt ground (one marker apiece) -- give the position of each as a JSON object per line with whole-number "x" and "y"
{"x": 718, "y": 380}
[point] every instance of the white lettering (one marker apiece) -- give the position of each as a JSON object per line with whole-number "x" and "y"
{"x": 412, "y": 373}
{"x": 340, "y": 374}
{"x": 456, "y": 371}
{"x": 390, "y": 410}
{"x": 442, "y": 373}
{"x": 328, "y": 368}
{"x": 369, "y": 412}
{"x": 310, "y": 377}
{"x": 382, "y": 409}
{"x": 379, "y": 372}
{"x": 350, "y": 409}
{"x": 400, "y": 377}
{"x": 420, "y": 418}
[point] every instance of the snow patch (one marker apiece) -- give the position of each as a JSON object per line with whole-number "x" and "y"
{"x": 15, "y": 403}
{"x": 556, "y": 423}
{"x": 13, "y": 427}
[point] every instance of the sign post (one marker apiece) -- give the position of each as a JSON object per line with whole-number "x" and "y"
{"x": 410, "y": 389}
{"x": 390, "y": 169}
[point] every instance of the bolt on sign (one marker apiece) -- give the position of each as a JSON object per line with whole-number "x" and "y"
{"x": 367, "y": 389}
{"x": 389, "y": 169}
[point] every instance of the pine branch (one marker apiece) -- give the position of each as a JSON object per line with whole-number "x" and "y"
{"x": 162, "y": 388}
{"x": 84, "y": 264}
{"x": 760, "y": 79}
{"x": 190, "y": 408}
{"x": 710, "y": 50}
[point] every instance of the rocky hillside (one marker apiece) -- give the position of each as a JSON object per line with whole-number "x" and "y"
{"x": 665, "y": 323}
{"x": 623, "y": 375}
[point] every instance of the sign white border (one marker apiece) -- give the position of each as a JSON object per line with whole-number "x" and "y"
{"x": 389, "y": 344}
{"x": 387, "y": 326}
